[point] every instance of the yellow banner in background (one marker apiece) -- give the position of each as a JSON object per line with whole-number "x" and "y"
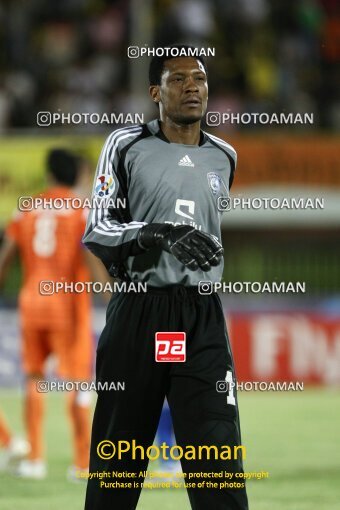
{"x": 22, "y": 165}
{"x": 276, "y": 160}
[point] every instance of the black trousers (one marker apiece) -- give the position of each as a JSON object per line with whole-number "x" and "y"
{"x": 201, "y": 415}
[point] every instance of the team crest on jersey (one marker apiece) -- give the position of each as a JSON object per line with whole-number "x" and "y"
{"x": 219, "y": 191}
{"x": 216, "y": 184}
{"x": 105, "y": 185}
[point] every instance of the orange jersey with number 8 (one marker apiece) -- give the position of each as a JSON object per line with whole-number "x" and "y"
{"x": 49, "y": 241}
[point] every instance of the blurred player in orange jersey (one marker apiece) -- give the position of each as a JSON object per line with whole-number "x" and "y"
{"x": 82, "y": 326}
{"x": 49, "y": 243}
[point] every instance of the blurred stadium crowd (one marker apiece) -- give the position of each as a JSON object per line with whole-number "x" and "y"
{"x": 70, "y": 55}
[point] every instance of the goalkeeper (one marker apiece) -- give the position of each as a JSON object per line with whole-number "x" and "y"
{"x": 170, "y": 175}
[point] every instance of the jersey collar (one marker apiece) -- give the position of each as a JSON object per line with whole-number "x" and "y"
{"x": 155, "y": 129}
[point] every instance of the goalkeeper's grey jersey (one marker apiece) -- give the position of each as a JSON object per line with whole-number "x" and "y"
{"x": 146, "y": 179}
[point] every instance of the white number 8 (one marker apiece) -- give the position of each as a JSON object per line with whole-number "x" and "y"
{"x": 44, "y": 240}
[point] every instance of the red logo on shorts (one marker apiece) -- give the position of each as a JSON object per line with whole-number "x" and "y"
{"x": 170, "y": 346}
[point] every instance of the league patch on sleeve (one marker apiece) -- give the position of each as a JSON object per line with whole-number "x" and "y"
{"x": 105, "y": 186}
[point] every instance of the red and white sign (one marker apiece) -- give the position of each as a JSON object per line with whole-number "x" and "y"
{"x": 170, "y": 347}
{"x": 286, "y": 347}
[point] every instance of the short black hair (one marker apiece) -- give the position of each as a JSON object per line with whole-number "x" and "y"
{"x": 63, "y": 165}
{"x": 157, "y": 63}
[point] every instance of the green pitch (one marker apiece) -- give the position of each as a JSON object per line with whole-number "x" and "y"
{"x": 293, "y": 436}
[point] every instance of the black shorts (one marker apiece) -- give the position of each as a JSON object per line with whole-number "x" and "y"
{"x": 201, "y": 414}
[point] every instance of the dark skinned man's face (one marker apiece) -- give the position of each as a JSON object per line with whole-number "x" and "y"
{"x": 183, "y": 92}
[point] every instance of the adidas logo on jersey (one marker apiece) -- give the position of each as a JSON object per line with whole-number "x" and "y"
{"x": 186, "y": 161}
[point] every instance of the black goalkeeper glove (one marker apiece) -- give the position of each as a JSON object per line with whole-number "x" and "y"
{"x": 193, "y": 248}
